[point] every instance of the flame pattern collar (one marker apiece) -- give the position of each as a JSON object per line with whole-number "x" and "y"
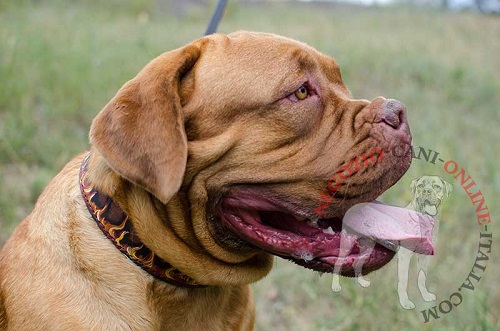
{"x": 118, "y": 228}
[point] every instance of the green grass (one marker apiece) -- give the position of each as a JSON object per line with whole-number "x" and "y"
{"x": 60, "y": 62}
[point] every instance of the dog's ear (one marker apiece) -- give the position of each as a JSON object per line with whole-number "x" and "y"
{"x": 413, "y": 185}
{"x": 448, "y": 188}
{"x": 140, "y": 132}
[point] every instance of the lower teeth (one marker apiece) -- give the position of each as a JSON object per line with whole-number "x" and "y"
{"x": 306, "y": 256}
{"x": 329, "y": 230}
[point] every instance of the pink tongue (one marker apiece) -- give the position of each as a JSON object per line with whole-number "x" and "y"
{"x": 383, "y": 223}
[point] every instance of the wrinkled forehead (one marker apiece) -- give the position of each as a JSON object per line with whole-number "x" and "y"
{"x": 430, "y": 180}
{"x": 263, "y": 59}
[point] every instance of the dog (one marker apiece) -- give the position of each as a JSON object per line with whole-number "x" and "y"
{"x": 201, "y": 168}
{"x": 428, "y": 194}
{"x": 365, "y": 225}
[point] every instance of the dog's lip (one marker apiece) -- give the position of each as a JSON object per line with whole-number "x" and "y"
{"x": 277, "y": 227}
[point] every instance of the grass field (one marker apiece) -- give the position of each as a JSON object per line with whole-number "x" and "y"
{"x": 60, "y": 62}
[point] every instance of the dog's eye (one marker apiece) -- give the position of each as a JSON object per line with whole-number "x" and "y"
{"x": 301, "y": 93}
{"x": 436, "y": 187}
{"x": 305, "y": 91}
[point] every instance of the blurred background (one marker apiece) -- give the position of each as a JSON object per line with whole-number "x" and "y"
{"x": 61, "y": 61}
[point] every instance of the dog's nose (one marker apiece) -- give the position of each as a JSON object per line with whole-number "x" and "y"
{"x": 393, "y": 113}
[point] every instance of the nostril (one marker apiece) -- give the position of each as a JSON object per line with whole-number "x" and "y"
{"x": 393, "y": 113}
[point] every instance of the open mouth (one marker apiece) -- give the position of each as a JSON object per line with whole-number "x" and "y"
{"x": 365, "y": 238}
{"x": 430, "y": 206}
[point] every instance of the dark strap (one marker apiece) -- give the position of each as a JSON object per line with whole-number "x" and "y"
{"x": 216, "y": 17}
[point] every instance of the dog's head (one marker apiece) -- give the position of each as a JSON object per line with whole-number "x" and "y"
{"x": 428, "y": 193}
{"x": 245, "y": 131}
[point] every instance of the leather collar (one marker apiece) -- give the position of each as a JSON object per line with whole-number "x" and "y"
{"x": 118, "y": 228}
